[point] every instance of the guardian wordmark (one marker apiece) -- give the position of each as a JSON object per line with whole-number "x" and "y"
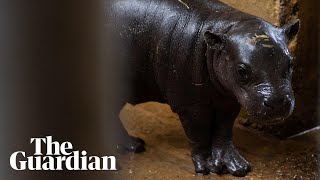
{"x": 59, "y": 157}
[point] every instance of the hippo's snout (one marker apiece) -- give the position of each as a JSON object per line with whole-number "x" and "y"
{"x": 272, "y": 108}
{"x": 278, "y": 103}
{"x": 279, "y": 107}
{"x": 267, "y": 103}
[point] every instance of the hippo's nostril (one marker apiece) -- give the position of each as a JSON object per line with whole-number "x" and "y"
{"x": 266, "y": 104}
{"x": 286, "y": 102}
{"x": 277, "y": 103}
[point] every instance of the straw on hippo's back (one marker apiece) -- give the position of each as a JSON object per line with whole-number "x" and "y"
{"x": 204, "y": 59}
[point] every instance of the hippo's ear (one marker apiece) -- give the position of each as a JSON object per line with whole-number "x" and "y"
{"x": 214, "y": 40}
{"x": 291, "y": 30}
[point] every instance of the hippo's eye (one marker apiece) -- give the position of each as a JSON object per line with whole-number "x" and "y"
{"x": 244, "y": 73}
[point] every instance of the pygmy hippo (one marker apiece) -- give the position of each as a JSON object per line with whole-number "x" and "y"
{"x": 206, "y": 60}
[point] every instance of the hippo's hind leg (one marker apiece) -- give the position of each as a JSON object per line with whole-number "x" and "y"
{"x": 124, "y": 92}
{"x": 121, "y": 74}
{"x": 123, "y": 141}
{"x": 129, "y": 143}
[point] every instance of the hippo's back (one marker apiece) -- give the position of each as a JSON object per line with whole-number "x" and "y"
{"x": 161, "y": 39}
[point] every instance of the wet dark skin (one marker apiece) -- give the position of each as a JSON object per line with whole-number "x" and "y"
{"x": 206, "y": 60}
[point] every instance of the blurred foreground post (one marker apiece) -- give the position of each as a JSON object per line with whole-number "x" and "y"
{"x": 51, "y": 81}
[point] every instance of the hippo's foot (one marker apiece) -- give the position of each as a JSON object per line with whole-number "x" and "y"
{"x": 223, "y": 159}
{"x": 131, "y": 144}
{"x": 228, "y": 157}
{"x": 200, "y": 164}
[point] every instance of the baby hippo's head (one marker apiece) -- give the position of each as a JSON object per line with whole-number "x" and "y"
{"x": 252, "y": 60}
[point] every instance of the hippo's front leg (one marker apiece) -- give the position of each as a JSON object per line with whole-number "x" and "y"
{"x": 224, "y": 153}
{"x": 197, "y": 122}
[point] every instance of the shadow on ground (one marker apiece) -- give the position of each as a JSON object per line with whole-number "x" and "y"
{"x": 168, "y": 153}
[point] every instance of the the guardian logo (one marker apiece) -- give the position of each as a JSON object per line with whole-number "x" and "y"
{"x": 59, "y": 157}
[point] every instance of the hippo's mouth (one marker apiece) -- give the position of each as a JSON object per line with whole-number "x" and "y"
{"x": 268, "y": 117}
{"x": 270, "y": 121}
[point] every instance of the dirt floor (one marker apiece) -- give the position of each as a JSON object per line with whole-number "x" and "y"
{"x": 168, "y": 153}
